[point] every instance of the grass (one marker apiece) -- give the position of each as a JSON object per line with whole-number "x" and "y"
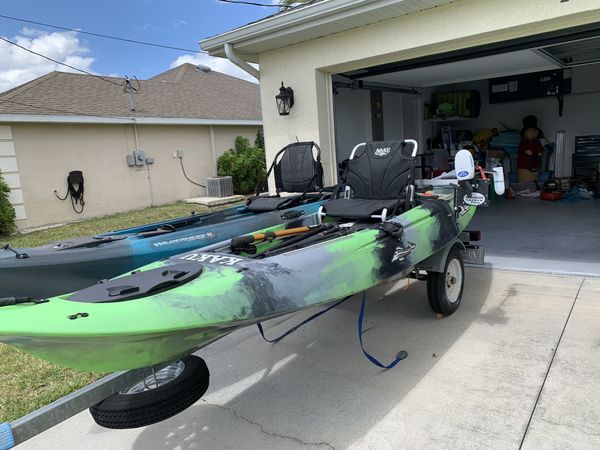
{"x": 102, "y": 224}
{"x": 27, "y": 383}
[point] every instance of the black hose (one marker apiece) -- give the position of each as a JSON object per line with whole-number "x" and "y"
{"x": 186, "y": 177}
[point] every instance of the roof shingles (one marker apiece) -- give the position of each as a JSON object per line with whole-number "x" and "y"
{"x": 182, "y": 92}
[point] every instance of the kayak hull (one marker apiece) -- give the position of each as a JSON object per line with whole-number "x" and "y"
{"x": 67, "y": 266}
{"x": 231, "y": 292}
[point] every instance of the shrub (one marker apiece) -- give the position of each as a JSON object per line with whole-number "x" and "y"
{"x": 260, "y": 139}
{"x": 7, "y": 213}
{"x": 244, "y": 164}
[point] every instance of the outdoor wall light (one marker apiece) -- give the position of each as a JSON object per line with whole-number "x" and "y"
{"x": 284, "y": 100}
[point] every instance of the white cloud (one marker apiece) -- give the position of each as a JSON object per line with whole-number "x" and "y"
{"x": 180, "y": 24}
{"x": 218, "y": 64}
{"x": 19, "y": 66}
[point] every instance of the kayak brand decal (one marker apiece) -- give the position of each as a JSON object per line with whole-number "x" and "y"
{"x": 382, "y": 151}
{"x": 208, "y": 235}
{"x": 401, "y": 253}
{"x": 212, "y": 259}
{"x": 474, "y": 199}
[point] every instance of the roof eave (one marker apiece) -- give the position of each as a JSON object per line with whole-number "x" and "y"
{"x": 294, "y": 21}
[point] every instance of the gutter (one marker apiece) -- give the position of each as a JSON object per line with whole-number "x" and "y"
{"x": 311, "y": 16}
{"x": 235, "y": 59}
{"x": 42, "y": 118}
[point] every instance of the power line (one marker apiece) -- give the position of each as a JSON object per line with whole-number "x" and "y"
{"x": 242, "y": 2}
{"x": 106, "y": 36}
{"x": 59, "y": 62}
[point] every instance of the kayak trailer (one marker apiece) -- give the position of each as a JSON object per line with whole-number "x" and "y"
{"x": 184, "y": 382}
{"x": 148, "y": 395}
{"x": 36, "y": 422}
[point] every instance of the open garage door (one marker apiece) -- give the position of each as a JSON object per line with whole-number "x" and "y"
{"x": 531, "y": 106}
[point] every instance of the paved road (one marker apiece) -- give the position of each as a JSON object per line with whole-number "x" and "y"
{"x": 518, "y": 364}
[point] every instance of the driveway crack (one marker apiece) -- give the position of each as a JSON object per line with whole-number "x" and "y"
{"x": 537, "y": 400}
{"x": 269, "y": 433}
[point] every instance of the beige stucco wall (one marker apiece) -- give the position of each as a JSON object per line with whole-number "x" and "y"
{"x": 47, "y": 152}
{"x": 225, "y": 137}
{"x": 307, "y": 67}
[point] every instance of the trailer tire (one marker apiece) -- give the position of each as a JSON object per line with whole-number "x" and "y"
{"x": 141, "y": 405}
{"x": 445, "y": 289}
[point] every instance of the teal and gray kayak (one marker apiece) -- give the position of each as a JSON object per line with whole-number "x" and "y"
{"x": 73, "y": 264}
{"x": 168, "y": 309}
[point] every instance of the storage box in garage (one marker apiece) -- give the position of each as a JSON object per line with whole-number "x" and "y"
{"x": 466, "y": 103}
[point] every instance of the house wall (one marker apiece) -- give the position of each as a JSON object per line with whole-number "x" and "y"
{"x": 225, "y": 137}
{"x": 306, "y": 67}
{"x": 46, "y": 153}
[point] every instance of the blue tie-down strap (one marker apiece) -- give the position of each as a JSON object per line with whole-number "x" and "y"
{"x": 401, "y": 355}
{"x": 304, "y": 322}
{"x": 7, "y": 440}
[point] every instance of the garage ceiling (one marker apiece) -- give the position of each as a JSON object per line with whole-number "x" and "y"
{"x": 512, "y": 63}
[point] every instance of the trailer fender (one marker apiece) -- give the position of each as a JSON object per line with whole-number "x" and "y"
{"x": 437, "y": 261}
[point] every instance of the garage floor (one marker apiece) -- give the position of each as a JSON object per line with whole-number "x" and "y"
{"x": 531, "y": 234}
{"x": 516, "y": 365}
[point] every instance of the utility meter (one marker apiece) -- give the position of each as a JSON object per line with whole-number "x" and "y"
{"x": 136, "y": 158}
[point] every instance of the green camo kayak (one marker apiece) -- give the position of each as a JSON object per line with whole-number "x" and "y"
{"x": 170, "y": 308}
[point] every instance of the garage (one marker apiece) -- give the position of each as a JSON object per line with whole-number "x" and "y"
{"x": 530, "y": 107}
{"x": 449, "y": 72}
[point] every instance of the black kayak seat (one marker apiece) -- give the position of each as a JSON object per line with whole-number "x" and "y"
{"x": 378, "y": 179}
{"x": 296, "y": 169}
{"x": 271, "y": 203}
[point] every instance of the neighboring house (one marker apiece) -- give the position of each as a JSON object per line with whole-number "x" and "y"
{"x": 63, "y": 122}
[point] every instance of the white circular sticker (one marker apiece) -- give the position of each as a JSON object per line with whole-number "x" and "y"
{"x": 474, "y": 199}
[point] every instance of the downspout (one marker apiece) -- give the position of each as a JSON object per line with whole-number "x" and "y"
{"x": 235, "y": 59}
{"x": 213, "y": 147}
{"x": 137, "y": 147}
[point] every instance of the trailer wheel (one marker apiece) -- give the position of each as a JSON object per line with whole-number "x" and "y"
{"x": 445, "y": 289}
{"x": 155, "y": 398}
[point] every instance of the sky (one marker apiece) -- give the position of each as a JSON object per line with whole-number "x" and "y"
{"x": 177, "y": 23}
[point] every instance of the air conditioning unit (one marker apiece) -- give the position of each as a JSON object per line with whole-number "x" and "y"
{"x": 219, "y": 186}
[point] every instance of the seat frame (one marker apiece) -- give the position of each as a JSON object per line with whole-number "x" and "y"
{"x": 410, "y": 188}
{"x": 316, "y": 180}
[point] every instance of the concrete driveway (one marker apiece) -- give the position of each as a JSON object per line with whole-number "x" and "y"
{"x": 516, "y": 365}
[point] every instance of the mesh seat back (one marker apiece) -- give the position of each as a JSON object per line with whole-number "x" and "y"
{"x": 381, "y": 171}
{"x": 298, "y": 170}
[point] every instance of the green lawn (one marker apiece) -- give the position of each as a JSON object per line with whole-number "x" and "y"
{"x": 103, "y": 224}
{"x": 27, "y": 383}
